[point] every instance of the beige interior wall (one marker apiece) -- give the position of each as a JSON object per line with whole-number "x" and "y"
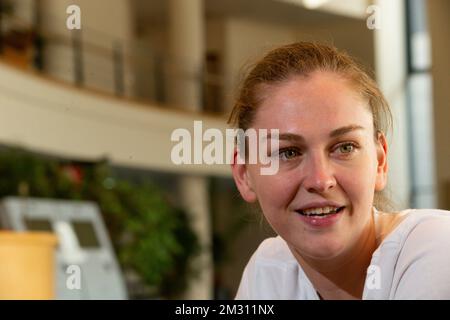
{"x": 23, "y": 10}
{"x": 439, "y": 27}
{"x": 245, "y": 41}
{"x": 350, "y": 35}
{"x": 215, "y": 32}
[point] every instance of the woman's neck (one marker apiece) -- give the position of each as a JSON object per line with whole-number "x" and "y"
{"x": 343, "y": 277}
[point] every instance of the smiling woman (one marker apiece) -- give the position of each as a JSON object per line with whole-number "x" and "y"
{"x": 324, "y": 201}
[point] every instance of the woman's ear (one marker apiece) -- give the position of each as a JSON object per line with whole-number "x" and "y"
{"x": 382, "y": 165}
{"x": 242, "y": 179}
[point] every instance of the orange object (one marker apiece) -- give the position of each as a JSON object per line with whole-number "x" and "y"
{"x": 27, "y": 265}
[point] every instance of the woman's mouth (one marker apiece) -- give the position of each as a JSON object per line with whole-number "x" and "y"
{"x": 320, "y": 212}
{"x": 321, "y": 217}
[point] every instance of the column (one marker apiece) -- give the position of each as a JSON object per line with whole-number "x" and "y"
{"x": 184, "y": 89}
{"x": 390, "y": 69}
{"x": 186, "y": 53}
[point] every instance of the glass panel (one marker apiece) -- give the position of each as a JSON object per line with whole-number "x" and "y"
{"x": 38, "y": 224}
{"x": 87, "y": 238}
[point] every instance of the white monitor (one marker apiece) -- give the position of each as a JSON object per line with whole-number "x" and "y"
{"x": 84, "y": 247}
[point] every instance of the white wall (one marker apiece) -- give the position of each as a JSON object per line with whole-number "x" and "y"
{"x": 50, "y": 117}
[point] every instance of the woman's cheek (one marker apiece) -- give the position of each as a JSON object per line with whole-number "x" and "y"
{"x": 355, "y": 182}
{"x": 276, "y": 192}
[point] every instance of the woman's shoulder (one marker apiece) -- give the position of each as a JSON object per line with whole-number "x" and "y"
{"x": 419, "y": 237}
{"x": 413, "y": 259}
{"x": 413, "y": 231}
{"x": 421, "y": 268}
{"x": 407, "y": 224}
{"x": 428, "y": 225}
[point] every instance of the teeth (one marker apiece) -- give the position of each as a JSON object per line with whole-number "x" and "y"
{"x": 319, "y": 211}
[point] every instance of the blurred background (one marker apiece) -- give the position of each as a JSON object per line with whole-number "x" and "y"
{"x": 87, "y": 115}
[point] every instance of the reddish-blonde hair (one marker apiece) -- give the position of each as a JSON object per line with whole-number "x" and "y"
{"x": 301, "y": 59}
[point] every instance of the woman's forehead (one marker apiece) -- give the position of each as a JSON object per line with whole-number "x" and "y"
{"x": 321, "y": 100}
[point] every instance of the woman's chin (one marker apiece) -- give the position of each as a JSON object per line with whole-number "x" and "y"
{"x": 324, "y": 251}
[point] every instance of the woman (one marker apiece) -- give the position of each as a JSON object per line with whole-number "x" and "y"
{"x": 322, "y": 202}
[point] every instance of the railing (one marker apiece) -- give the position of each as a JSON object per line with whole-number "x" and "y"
{"x": 89, "y": 58}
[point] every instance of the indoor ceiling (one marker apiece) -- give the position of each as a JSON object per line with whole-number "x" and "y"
{"x": 154, "y": 11}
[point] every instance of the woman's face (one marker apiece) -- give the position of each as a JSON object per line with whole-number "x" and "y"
{"x": 328, "y": 157}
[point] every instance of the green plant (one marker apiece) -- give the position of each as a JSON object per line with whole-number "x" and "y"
{"x": 157, "y": 239}
{"x": 150, "y": 235}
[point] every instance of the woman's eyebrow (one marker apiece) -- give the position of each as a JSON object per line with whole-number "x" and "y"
{"x": 343, "y": 130}
{"x": 335, "y": 133}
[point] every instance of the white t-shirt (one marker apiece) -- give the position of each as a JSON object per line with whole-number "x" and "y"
{"x": 412, "y": 262}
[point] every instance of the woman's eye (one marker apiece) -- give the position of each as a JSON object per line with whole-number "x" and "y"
{"x": 288, "y": 154}
{"x": 346, "y": 148}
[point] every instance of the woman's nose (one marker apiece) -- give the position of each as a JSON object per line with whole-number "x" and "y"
{"x": 319, "y": 177}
